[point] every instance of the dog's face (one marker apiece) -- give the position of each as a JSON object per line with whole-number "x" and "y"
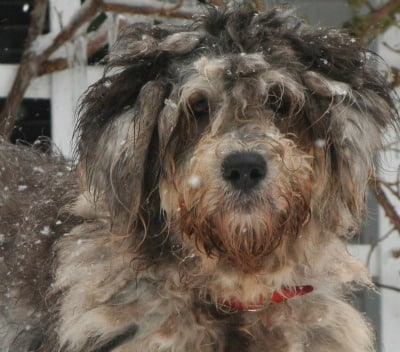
{"x": 243, "y": 141}
{"x": 235, "y": 186}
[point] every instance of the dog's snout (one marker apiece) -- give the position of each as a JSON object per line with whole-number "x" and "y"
{"x": 244, "y": 170}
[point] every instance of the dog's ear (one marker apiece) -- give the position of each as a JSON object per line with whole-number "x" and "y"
{"x": 115, "y": 167}
{"x": 348, "y": 128}
{"x": 166, "y": 126}
{"x": 122, "y": 116}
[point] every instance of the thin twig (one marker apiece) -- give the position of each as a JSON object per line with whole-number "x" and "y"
{"x": 388, "y": 287}
{"x": 376, "y": 243}
{"x": 375, "y": 16}
{"x": 390, "y": 211}
{"x": 389, "y": 186}
{"x": 148, "y": 10}
{"x": 386, "y": 45}
{"x": 370, "y": 6}
{"x": 259, "y": 5}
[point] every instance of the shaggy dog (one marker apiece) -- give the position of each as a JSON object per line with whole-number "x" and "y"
{"x": 221, "y": 167}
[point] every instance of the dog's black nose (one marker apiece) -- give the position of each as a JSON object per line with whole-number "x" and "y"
{"x": 244, "y": 170}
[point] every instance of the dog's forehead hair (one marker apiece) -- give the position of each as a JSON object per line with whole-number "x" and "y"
{"x": 232, "y": 67}
{"x": 250, "y": 74}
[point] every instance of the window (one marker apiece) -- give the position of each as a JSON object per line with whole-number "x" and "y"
{"x": 33, "y": 124}
{"x": 34, "y": 114}
{"x": 14, "y": 22}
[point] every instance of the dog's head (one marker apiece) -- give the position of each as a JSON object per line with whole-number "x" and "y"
{"x": 233, "y": 136}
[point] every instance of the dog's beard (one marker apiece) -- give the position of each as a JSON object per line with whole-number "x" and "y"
{"x": 245, "y": 232}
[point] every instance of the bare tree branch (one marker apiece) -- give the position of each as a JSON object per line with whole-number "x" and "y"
{"x": 376, "y": 243}
{"x": 148, "y": 10}
{"x": 86, "y": 12}
{"x": 396, "y": 253}
{"x": 94, "y": 45}
{"x": 370, "y": 6}
{"x": 26, "y": 70}
{"x": 388, "y": 287}
{"x": 367, "y": 27}
{"x": 386, "y": 45}
{"x": 259, "y": 4}
{"x": 389, "y": 186}
{"x": 389, "y": 209}
{"x": 378, "y": 14}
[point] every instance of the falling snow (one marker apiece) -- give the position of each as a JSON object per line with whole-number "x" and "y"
{"x": 45, "y": 231}
{"x": 25, "y": 7}
{"x": 338, "y": 89}
{"x": 38, "y": 169}
{"x": 170, "y": 103}
{"x": 194, "y": 181}
{"x": 320, "y": 143}
{"x": 107, "y": 83}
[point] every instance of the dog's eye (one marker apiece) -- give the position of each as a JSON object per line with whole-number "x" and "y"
{"x": 200, "y": 108}
{"x": 197, "y": 113}
{"x": 274, "y": 102}
{"x": 278, "y": 101}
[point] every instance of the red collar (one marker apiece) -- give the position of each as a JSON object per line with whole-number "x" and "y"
{"x": 290, "y": 292}
{"x": 277, "y": 297}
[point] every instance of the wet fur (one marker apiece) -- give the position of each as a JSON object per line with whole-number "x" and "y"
{"x": 153, "y": 241}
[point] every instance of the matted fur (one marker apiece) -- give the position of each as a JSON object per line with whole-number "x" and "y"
{"x": 166, "y": 245}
